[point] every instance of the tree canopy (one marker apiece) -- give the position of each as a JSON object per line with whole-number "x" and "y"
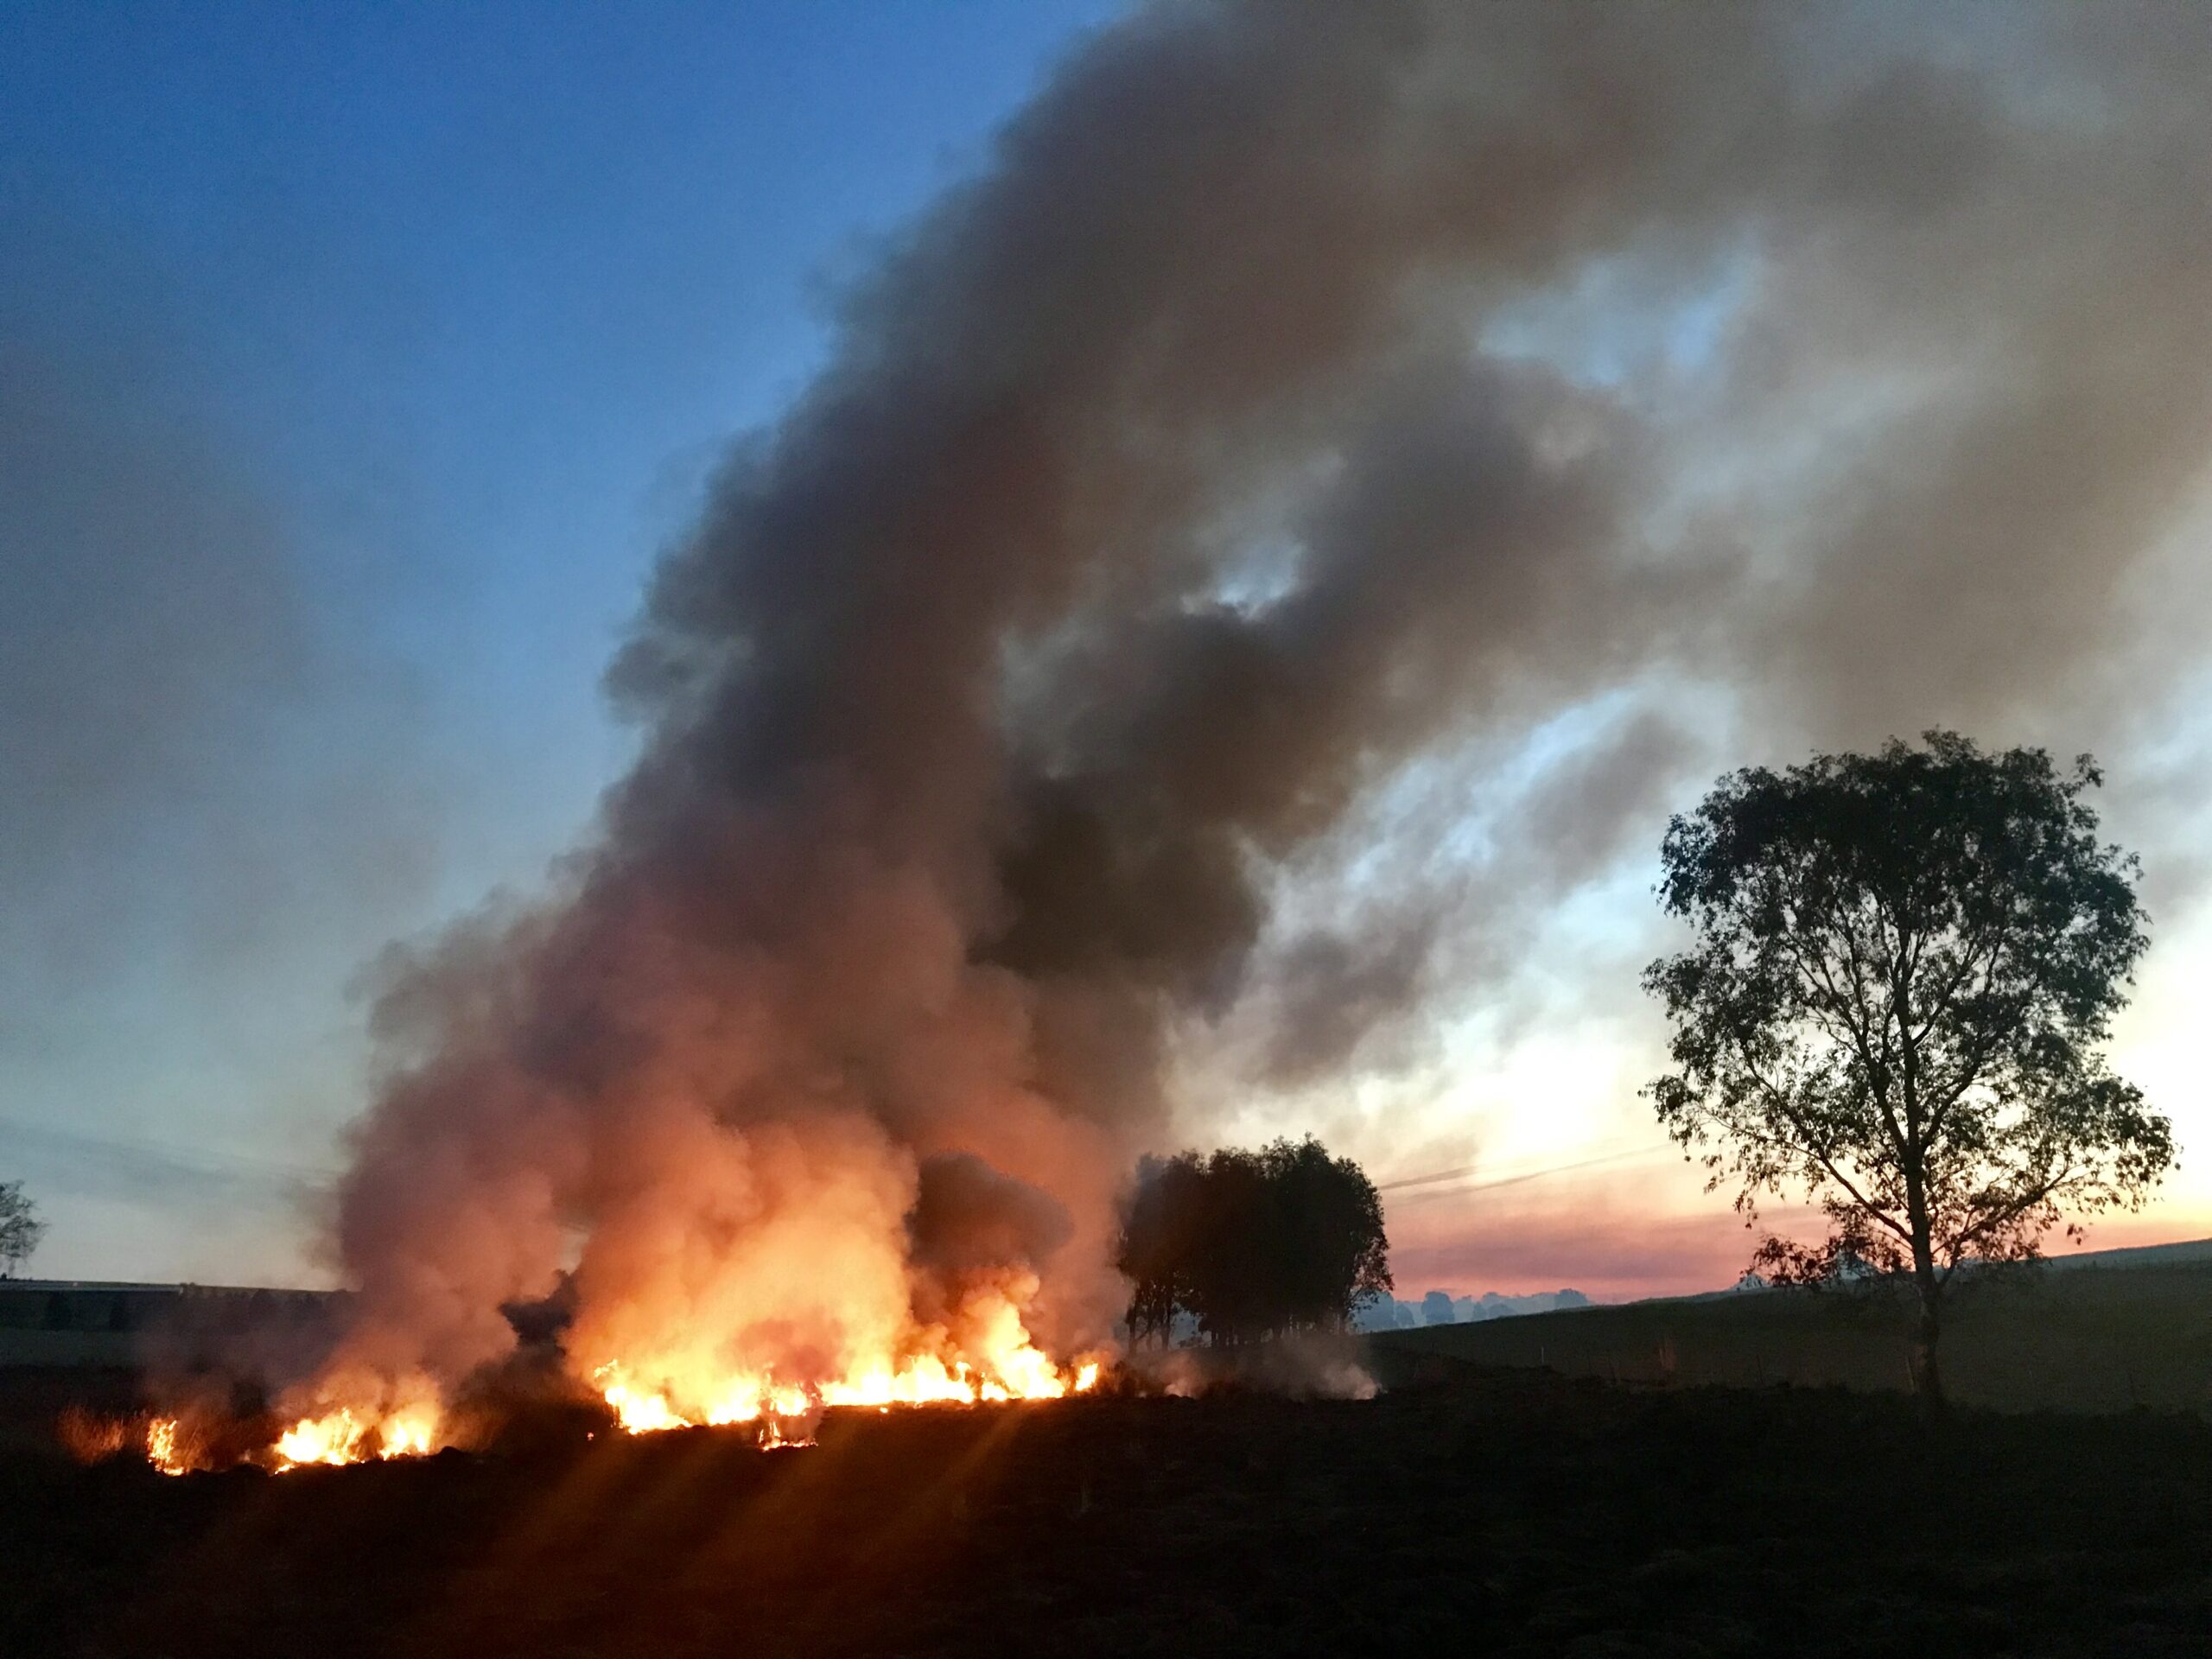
{"x": 1251, "y": 1243}
{"x": 20, "y": 1228}
{"x": 1904, "y": 966}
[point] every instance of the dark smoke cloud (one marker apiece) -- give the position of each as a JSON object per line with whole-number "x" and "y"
{"x": 1180, "y": 484}
{"x": 968, "y": 1217}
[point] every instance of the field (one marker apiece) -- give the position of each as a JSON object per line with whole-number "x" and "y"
{"x": 2133, "y": 1328}
{"x": 1464, "y": 1508}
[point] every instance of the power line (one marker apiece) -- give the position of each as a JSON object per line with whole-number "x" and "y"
{"x": 1438, "y": 1178}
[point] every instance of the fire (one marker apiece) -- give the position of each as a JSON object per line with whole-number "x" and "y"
{"x": 344, "y": 1436}
{"x": 639, "y": 1413}
{"x": 982, "y": 1354}
{"x": 332, "y": 1439}
{"x": 340, "y": 1437}
{"x": 1020, "y": 1374}
{"x": 1016, "y": 1371}
{"x": 162, "y": 1446}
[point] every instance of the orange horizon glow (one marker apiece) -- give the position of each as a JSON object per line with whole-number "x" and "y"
{"x": 1583, "y": 1236}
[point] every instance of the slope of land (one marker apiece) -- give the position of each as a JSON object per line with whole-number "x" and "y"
{"x": 2124, "y": 1329}
{"x": 1512, "y": 1512}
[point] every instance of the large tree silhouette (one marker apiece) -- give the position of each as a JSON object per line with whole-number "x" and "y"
{"x": 1251, "y": 1243}
{"x": 1905, "y": 964}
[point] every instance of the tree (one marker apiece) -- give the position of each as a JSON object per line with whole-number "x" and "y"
{"x": 1328, "y": 1246}
{"x": 1251, "y": 1243}
{"x": 20, "y": 1228}
{"x": 1904, "y": 966}
{"x": 1157, "y": 1244}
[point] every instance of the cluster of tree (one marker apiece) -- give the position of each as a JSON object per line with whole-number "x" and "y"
{"x": 20, "y": 1228}
{"x": 1251, "y": 1244}
{"x": 1905, "y": 966}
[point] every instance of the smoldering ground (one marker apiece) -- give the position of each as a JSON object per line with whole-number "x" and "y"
{"x": 1300, "y": 401}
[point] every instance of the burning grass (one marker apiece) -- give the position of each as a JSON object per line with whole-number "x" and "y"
{"x": 201, "y": 1438}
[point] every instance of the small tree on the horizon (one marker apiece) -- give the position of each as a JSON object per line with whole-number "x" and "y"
{"x": 1905, "y": 965}
{"x": 20, "y": 1228}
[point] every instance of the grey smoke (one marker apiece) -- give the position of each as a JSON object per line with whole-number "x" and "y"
{"x": 967, "y": 1216}
{"x": 1186, "y": 477}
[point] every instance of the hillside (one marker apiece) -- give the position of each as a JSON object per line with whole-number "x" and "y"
{"x": 2102, "y": 1332}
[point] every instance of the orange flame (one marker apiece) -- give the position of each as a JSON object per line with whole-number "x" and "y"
{"x": 773, "y": 1438}
{"x": 1007, "y": 1366}
{"x": 982, "y": 1354}
{"x": 986, "y": 1356}
{"x": 161, "y": 1449}
{"x": 342, "y": 1436}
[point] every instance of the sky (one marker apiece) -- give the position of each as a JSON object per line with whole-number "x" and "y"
{"x": 387, "y": 345}
{"x": 356, "y": 365}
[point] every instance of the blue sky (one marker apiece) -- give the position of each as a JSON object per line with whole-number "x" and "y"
{"x": 442, "y": 312}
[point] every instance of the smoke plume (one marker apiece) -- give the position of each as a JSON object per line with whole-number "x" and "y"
{"x": 1301, "y": 398}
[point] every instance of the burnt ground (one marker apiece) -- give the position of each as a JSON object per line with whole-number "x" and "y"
{"x": 1513, "y": 1512}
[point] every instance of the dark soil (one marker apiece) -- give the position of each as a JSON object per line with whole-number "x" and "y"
{"x": 1485, "y": 1511}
